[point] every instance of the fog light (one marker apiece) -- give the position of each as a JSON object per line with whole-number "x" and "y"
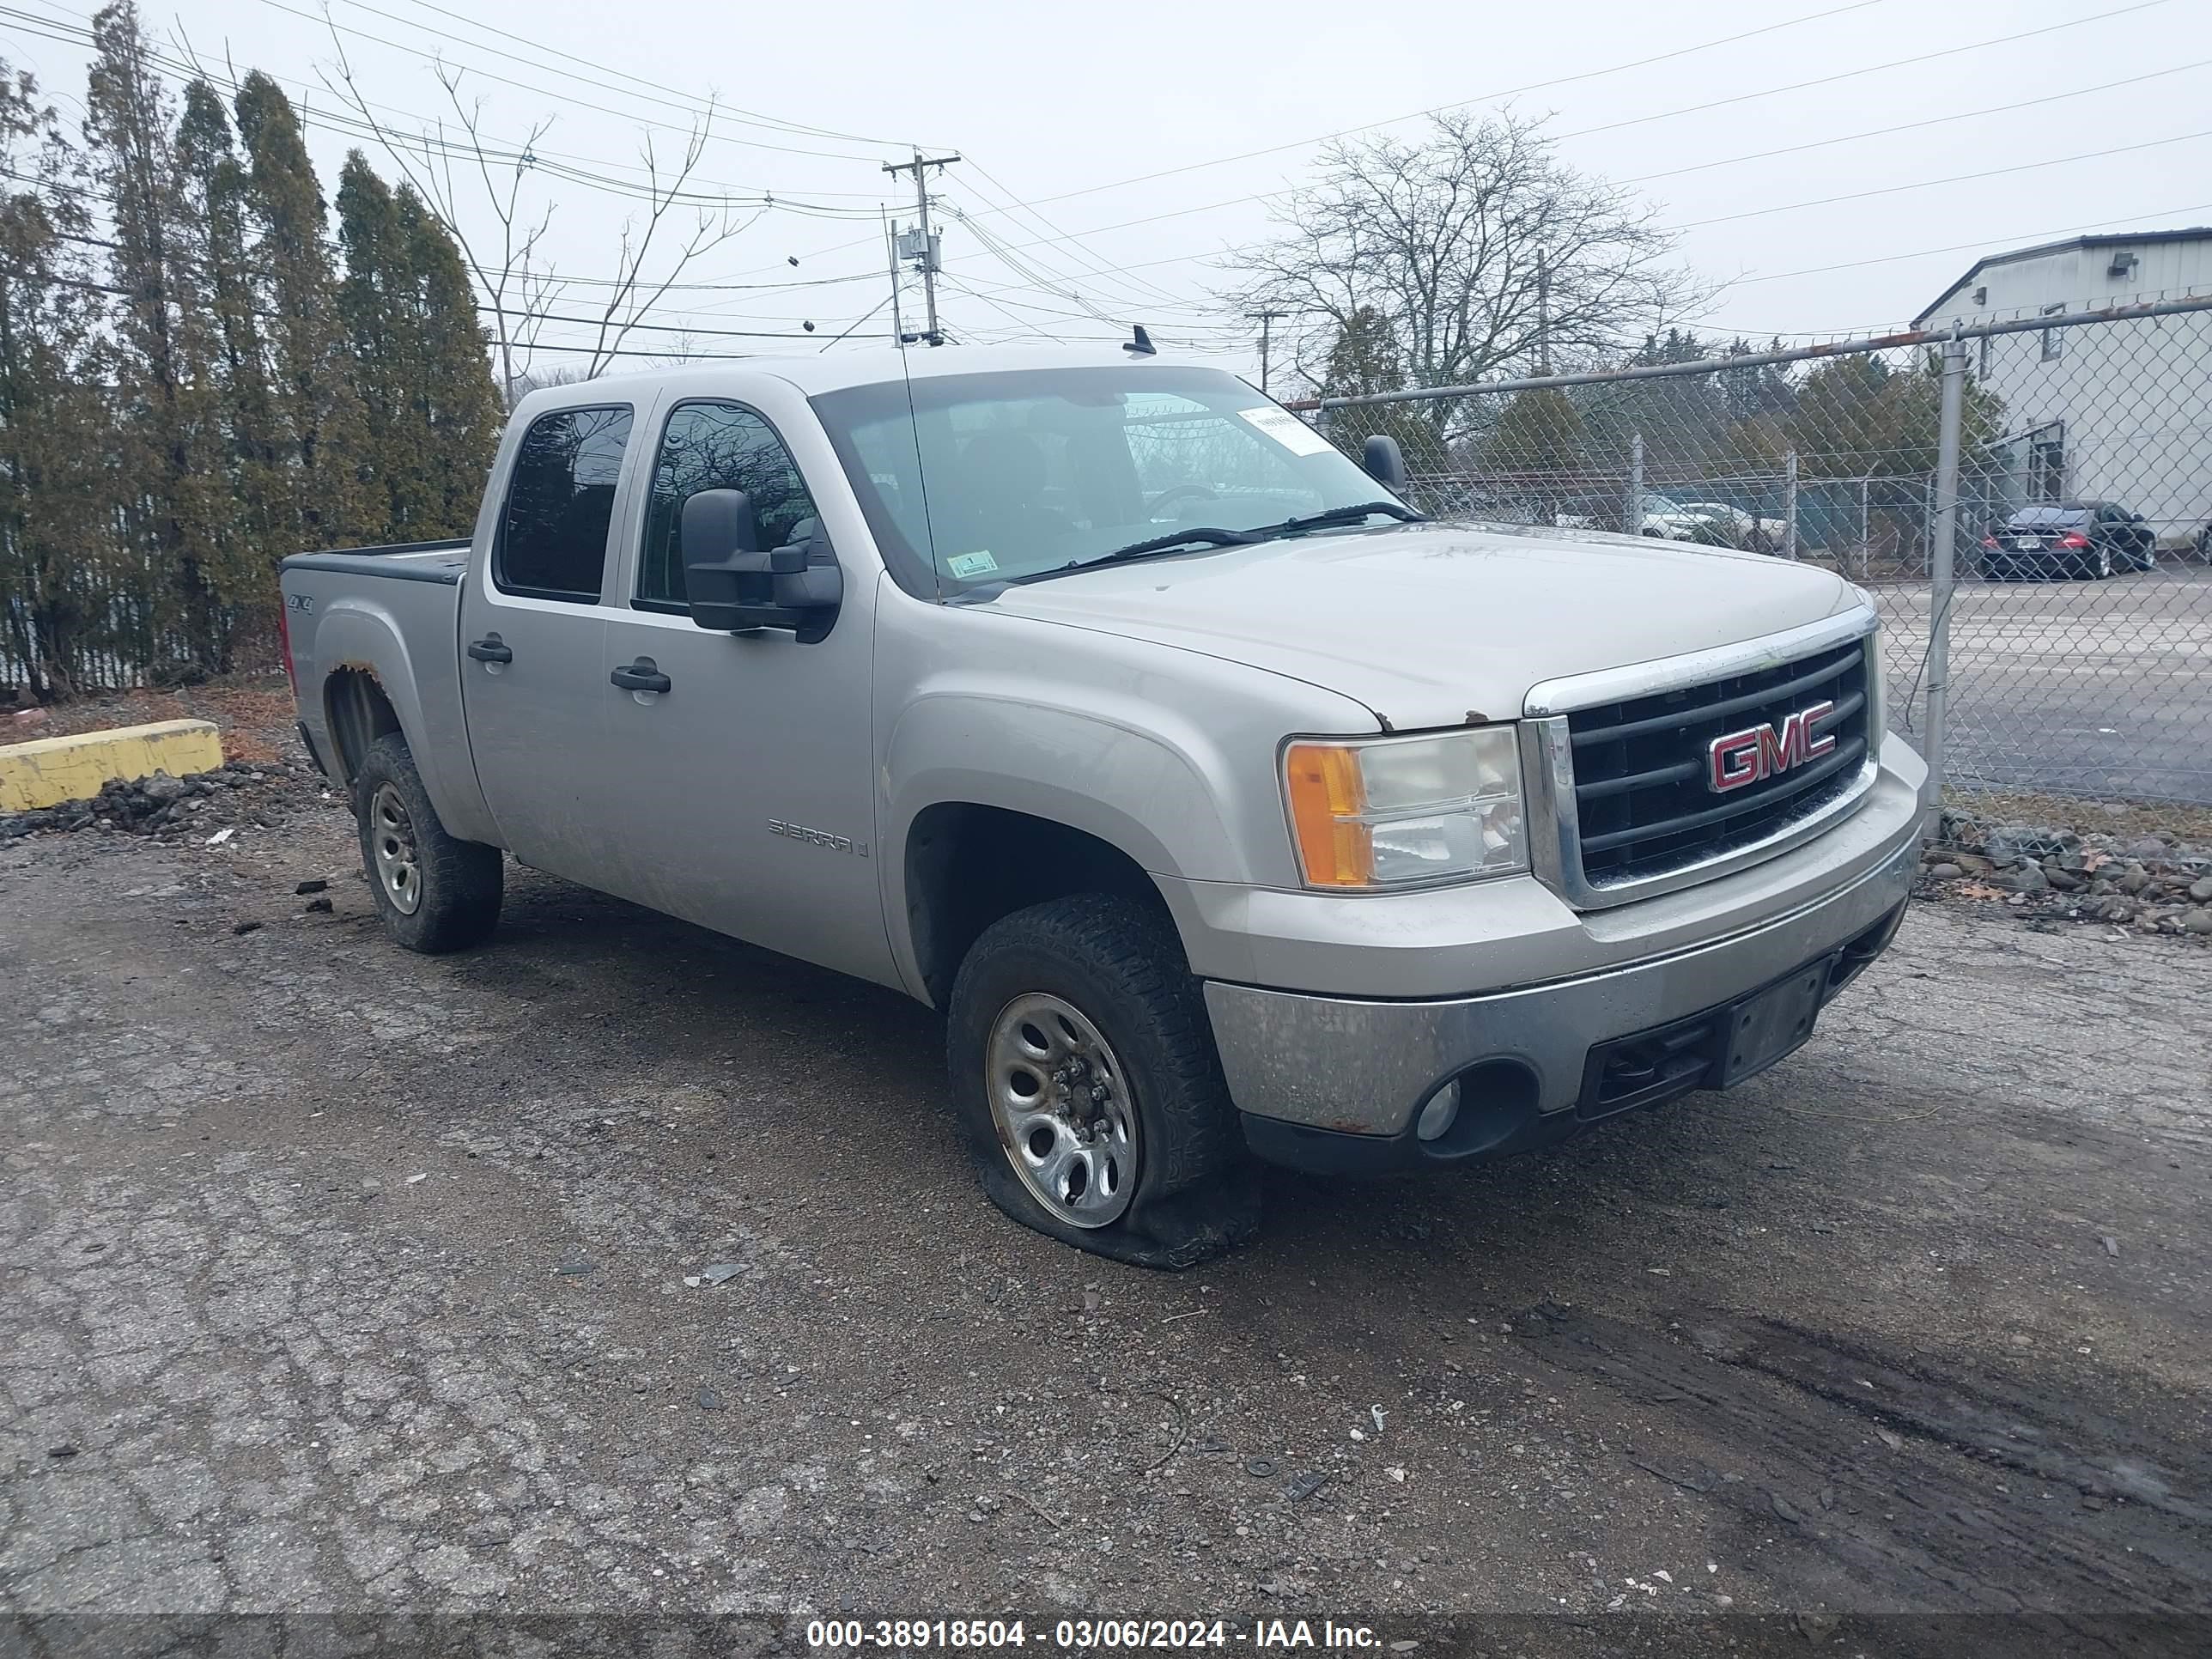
{"x": 1438, "y": 1116}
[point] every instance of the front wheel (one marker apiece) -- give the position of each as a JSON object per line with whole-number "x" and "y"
{"x": 434, "y": 892}
{"x": 1087, "y": 1088}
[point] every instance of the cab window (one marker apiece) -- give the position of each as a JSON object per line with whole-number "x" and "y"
{"x": 552, "y": 538}
{"x": 714, "y": 446}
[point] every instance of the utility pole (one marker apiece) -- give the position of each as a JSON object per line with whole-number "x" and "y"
{"x": 921, "y": 246}
{"x": 1265, "y": 319}
{"x": 1543, "y": 314}
{"x": 890, "y": 246}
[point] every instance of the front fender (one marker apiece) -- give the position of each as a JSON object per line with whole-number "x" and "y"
{"x": 1139, "y": 777}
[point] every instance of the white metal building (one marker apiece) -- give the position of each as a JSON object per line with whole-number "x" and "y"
{"x": 2119, "y": 411}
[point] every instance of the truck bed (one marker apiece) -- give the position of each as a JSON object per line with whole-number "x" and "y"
{"x": 412, "y": 561}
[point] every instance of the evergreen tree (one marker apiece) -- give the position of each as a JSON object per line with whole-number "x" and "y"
{"x": 1364, "y": 360}
{"x": 254, "y": 448}
{"x": 57, "y": 497}
{"x": 166, "y": 426}
{"x": 326, "y": 448}
{"x": 431, "y": 409}
{"x": 459, "y": 409}
{"x": 1535, "y": 453}
{"x": 378, "y": 306}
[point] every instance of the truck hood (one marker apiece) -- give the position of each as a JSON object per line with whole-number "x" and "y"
{"x": 1433, "y": 625}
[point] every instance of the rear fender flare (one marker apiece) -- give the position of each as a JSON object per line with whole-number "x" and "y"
{"x": 355, "y": 633}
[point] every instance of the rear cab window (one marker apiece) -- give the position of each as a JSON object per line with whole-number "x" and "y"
{"x": 551, "y": 542}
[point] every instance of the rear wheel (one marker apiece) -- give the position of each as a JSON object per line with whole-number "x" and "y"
{"x": 1087, "y": 1089}
{"x": 435, "y": 893}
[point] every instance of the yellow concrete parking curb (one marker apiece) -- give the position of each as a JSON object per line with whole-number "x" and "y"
{"x": 50, "y": 770}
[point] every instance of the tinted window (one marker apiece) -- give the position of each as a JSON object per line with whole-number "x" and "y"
{"x": 553, "y": 535}
{"x": 715, "y": 446}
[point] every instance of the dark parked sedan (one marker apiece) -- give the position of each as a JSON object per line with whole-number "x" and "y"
{"x": 2086, "y": 540}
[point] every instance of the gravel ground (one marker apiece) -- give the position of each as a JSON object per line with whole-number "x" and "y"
{"x": 333, "y": 1279}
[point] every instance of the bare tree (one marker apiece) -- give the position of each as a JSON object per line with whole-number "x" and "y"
{"x": 1484, "y": 252}
{"x": 452, "y": 166}
{"x": 634, "y": 294}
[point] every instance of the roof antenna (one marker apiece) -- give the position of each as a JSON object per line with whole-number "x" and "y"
{"x": 1141, "y": 346}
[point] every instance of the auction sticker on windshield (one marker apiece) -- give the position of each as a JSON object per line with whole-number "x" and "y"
{"x": 1288, "y": 430}
{"x": 966, "y": 565}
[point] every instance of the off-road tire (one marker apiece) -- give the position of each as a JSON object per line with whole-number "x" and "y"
{"x": 1122, "y": 966}
{"x": 461, "y": 881}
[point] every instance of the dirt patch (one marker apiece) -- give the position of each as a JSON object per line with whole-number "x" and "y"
{"x": 254, "y": 714}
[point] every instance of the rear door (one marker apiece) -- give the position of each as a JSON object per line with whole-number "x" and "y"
{"x": 533, "y": 638}
{"x": 750, "y": 777}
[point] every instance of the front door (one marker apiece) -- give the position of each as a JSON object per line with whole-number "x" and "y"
{"x": 749, "y": 777}
{"x": 533, "y": 641}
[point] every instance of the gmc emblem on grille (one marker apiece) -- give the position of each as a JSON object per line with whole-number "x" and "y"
{"x": 1761, "y": 752}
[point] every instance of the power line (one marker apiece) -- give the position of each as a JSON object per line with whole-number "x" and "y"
{"x": 2012, "y": 107}
{"x": 1097, "y": 263}
{"x": 1826, "y": 80}
{"x": 181, "y": 71}
{"x": 753, "y": 117}
{"x": 1954, "y": 179}
{"x": 1488, "y": 97}
{"x": 2020, "y": 239}
{"x": 547, "y": 92}
{"x": 1750, "y": 213}
{"x": 551, "y": 276}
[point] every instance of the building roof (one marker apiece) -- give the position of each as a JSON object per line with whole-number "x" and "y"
{"x": 2136, "y": 238}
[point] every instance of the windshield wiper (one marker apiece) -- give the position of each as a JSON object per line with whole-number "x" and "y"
{"x": 1205, "y": 534}
{"x": 1351, "y": 514}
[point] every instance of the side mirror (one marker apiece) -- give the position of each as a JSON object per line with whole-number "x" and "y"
{"x": 734, "y": 586}
{"x": 2135, "y": 518}
{"x": 1384, "y": 461}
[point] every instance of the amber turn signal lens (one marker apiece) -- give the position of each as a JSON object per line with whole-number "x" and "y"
{"x": 1326, "y": 797}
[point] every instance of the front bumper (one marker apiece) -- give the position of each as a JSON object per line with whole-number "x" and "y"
{"x": 1337, "y": 1083}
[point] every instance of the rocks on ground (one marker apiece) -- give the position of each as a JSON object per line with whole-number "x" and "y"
{"x": 163, "y": 807}
{"x": 2151, "y": 884}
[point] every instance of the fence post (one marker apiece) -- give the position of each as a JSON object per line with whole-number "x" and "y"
{"x": 1941, "y": 575}
{"x": 1789, "y": 506}
{"x": 1632, "y": 523}
{"x": 1866, "y": 531}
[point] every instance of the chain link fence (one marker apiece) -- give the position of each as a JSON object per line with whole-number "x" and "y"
{"x": 116, "y": 619}
{"x": 2027, "y": 503}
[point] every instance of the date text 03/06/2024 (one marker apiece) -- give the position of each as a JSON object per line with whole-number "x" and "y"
{"x": 1096, "y": 1635}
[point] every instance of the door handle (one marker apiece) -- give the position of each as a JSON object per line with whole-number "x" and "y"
{"x": 491, "y": 648}
{"x": 640, "y": 676}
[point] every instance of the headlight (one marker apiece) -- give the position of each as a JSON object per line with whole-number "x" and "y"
{"x": 1402, "y": 811}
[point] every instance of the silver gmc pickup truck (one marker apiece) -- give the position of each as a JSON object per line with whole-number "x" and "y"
{"x": 1224, "y": 804}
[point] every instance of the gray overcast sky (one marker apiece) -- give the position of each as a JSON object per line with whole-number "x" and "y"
{"x": 1118, "y": 125}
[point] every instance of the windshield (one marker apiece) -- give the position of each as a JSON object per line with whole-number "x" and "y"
{"x": 2049, "y": 517}
{"x": 991, "y": 477}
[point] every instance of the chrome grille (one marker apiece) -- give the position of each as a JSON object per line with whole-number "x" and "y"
{"x": 1630, "y": 776}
